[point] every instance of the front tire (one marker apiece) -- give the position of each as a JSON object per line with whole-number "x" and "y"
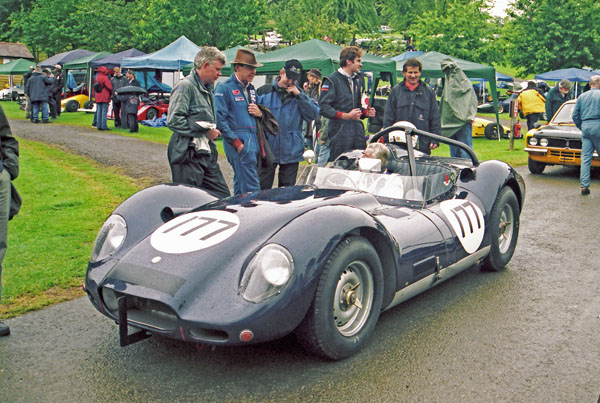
{"x": 535, "y": 167}
{"x": 504, "y": 230}
{"x": 347, "y": 301}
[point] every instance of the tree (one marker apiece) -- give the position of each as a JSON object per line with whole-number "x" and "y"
{"x": 54, "y": 26}
{"x": 220, "y": 23}
{"x": 462, "y": 29}
{"x": 548, "y": 35}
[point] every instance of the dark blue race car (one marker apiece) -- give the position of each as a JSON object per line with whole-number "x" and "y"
{"x": 322, "y": 259}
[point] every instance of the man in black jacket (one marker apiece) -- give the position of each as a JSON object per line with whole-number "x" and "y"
{"x": 118, "y": 81}
{"x": 56, "y": 91}
{"x": 28, "y": 106}
{"x": 340, "y": 101}
{"x": 9, "y": 170}
{"x": 413, "y": 101}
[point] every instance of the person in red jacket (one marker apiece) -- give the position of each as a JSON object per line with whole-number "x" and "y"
{"x": 103, "y": 90}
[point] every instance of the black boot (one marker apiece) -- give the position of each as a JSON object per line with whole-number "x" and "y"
{"x": 4, "y": 330}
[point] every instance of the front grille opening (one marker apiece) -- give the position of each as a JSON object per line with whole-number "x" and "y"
{"x": 141, "y": 311}
{"x": 209, "y": 334}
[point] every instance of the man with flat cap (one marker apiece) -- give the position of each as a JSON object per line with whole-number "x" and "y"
{"x": 235, "y": 104}
{"x": 290, "y": 106}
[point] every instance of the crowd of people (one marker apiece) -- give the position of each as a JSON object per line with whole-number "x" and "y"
{"x": 43, "y": 90}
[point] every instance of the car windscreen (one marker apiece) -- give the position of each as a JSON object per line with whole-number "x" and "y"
{"x": 564, "y": 114}
{"x": 389, "y": 185}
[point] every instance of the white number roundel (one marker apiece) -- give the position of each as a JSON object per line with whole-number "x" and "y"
{"x": 467, "y": 222}
{"x": 194, "y": 231}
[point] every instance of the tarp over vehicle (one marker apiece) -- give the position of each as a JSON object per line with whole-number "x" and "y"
{"x": 65, "y": 57}
{"x": 18, "y": 66}
{"x": 170, "y": 58}
{"x": 316, "y": 54}
{"x": 112, "y": 61}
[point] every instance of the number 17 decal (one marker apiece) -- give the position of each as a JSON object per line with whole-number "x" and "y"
{"x": 194, "y": 231}
{"x": 467, "y": 222}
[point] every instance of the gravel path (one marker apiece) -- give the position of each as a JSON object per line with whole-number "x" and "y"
{"x": 133, "y": 157}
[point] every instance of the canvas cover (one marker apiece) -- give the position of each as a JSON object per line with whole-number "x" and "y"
{"x": 84, "y": 62}
{"x": 18, "y": 66}
{"x": 65, "y": 57}
{"x": 112, "y": 61}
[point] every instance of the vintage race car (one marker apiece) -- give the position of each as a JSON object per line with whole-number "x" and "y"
{"x": 321, "y": 259}
{"x": 486, "y": 128}
{"x": 557, "y": 143}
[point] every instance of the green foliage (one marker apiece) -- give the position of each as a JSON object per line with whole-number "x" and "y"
{"x": 551, "y": 34}
{"x": 462, "y": 28}
{"x": 220, "y": 23}
{"x": 54, "y": 26}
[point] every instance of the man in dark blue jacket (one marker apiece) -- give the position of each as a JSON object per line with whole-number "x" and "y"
{"x": 290, "y": 106}
{"x": 38, "y": 88}
{"x": 235, "y": 104}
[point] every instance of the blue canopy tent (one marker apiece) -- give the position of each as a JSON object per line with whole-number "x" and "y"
{"x": 65, "y": 57}
{"x": 573, "y": 74}
{"x": 115, "y": 60}
{"x": 407, "y": 55}
{"x": 170, "y": 58}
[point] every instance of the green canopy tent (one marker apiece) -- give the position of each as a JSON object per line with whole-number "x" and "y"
{"x": 83, "y": 63}
{"x": 432, "y": 68}
{"x": 15, "y": 67}
{"x": 320, "y": 55}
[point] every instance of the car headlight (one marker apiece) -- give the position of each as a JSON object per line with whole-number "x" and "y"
{"x": 544, "y": 142}
{"x": 110, "y": 238}
{"x": 267, "y": 274}
{"x": 532, "y": 141}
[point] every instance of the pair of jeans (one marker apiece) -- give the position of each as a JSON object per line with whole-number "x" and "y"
{"x": 101, "y": 109}
{"x": 532, "y": 119}
{"x": 36, "y": 111}
{"x": 590, "y": 141}
{"x": 464, "y": 135}
{"x": 323, "y": 151}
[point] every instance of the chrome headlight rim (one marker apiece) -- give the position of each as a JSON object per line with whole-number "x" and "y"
{"x": 267, "y": 274}
{"x": 110, "y": 238}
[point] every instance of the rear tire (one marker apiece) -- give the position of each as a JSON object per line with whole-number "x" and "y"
{"x": 535, "y": 167}
{"x": 151, "y": 114}
{"x": 72, "y": 106}
{"x": 347, "y": 301}
{"x": 88, "y": 105}
{"x": 504, "y": 230}
{"x": 491, "y": 131}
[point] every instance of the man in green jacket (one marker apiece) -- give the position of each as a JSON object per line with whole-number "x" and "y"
{"x": 556, "y": 97}
{"x": 192, "y": 152}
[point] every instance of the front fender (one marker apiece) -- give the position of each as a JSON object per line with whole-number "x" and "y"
{"x": 313, "y": 236}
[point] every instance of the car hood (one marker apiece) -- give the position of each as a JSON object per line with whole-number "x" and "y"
{"x": 169, "y": 262}
{"x": 558, "y": 131}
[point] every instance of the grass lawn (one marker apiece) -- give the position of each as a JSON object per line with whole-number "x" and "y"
{"x": 66, "y": 198}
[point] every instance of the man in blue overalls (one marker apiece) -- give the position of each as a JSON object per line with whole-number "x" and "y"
{"x": 235, "y": 104}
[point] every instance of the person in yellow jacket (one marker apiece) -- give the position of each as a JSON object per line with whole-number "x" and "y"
{"x": 532, "y": 104}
